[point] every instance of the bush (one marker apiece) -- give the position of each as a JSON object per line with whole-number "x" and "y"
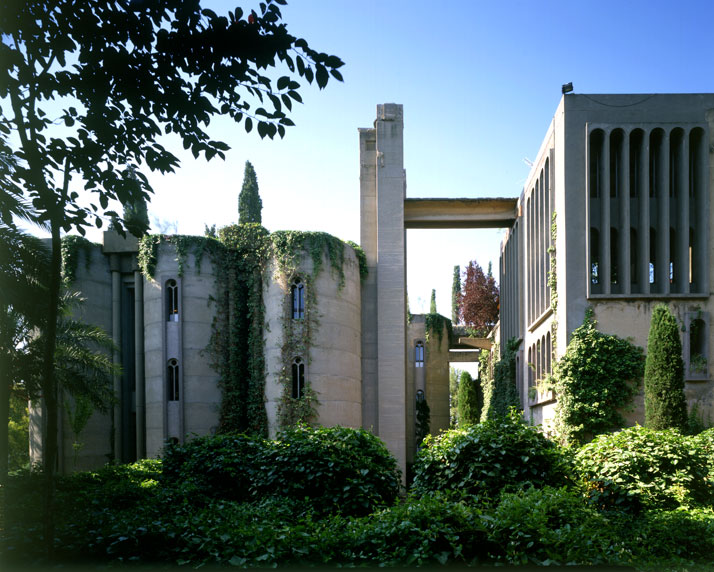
{"x": 343, "y": 470}
{"x": 482, "y": 460}
{"x": 470, "y": 400}
{"x": 337, "y": 468}
{"x": 659, "y": 469}
{"x": 704, "y": 442}
{"x": 665, "y": 404}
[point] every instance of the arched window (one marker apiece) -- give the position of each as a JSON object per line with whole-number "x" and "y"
{"x": 298, "y": 378}
{"x": 172, "y": 306}
{"x": 530, "y": 368}
{"x": 548, "y": 352}
{"x": 297, "y": 293}
{"x": 419, "y": 355}
{"x": 539, "y": 361}
{"x": 172, "y": 377}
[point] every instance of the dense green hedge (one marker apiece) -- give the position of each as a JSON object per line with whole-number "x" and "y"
{"x": 641, "y": 466}
{"x": 337, "y": 469}
{"x": 482, "y": 460}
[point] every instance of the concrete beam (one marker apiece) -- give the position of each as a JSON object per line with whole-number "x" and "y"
{"x": 463, "y": 356}
{"x": 479, "y": 343}
{"x": 459, "y": 213}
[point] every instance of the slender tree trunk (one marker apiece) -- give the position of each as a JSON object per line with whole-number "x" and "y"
{"x": 49, "y": 388}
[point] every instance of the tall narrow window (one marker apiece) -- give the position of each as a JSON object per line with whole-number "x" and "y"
{"x": 634, "y": 269}
{"x": 635, "y": 149}
{"x": 539, "y": 361}
{"x": 172, "y": 306}
{"x": 691, "y": 255}
{"x": 530, "y": 368}
{"x": 672, "y": 254}
{"x": 614, "y": 254}
{"x": 548, "y": 356}
{"x": 172, "y": 378}
{"x": 298, "y": 378}
{"x": 419, "y": 355}
{"x": 697, "y": 347}
{"x": 596, "y": 141}
{"x": 297, "y": 292}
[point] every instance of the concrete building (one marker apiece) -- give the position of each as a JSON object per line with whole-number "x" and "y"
{"x": 615, "y": 215}
{"x": 618, "y": 205}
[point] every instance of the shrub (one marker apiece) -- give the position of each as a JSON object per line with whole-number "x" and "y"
{"x": 221, "y": 466}
{"x": 470, "y": 400}
{"x": 337, "y": 468}
{"x": 661, "y": 469}
{"x": 665, "y": 404}
{"x": 481, "y": 460}
{"x": 548, "y": 526}
{"x": 704, "y": 442}
{"x": 340, "y": 469}
{"x": 596, "y": 377}
{"x": 502, "y": 392}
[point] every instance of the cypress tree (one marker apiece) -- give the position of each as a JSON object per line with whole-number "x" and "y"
{"x": 432, "y": 305}
{"x": 455, "y": 294}
{"x": 249, "y": 203}
{"x": 470, "y": 401}
{"x": 665, "y": 404}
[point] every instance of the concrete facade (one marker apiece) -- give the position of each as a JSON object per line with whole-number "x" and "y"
{"x": 628, "y": 179}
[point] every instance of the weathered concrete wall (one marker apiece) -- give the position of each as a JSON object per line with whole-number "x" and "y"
{"x": 334, "y": 367}
{"x": 196, "y": 411}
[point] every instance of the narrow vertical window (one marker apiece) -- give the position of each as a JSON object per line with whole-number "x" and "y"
{"x": 298, "y": 378}
{"x": 595, "y": 159}
{"x": 691, "y": 255}
{"x": 635, "y": 150}
{"x": 614, "y": 254}
{"x": 297, "y": 292}
{"x": 539, "y": 361}
{"x": 419, "y": 355}
{"x": 548, "y": 352}
{"x": 172, "y": 307}
{"x": 697, "y": 347}
{"x": 634, "y": 269}
{"x": 172, "y": 378}
{"x": 530, "y": 368}
{"x": 672, "y": 252}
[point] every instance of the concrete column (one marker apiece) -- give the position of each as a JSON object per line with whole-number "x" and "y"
{"x": 391, "y": 280}
{"x": 139, "y": 364}
{"x": 604, "y": 270}
{"x": 625, "y": 279}
{"x": 682, "y": 256}
{"x": 663, "y": 257}
{"x": 368, "y": 242}
{"x": 114, "y": 264}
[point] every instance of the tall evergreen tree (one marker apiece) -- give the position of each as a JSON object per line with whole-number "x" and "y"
{"x": 432, "y": 304}
{"x": 665, "y": 403}
{"x": 470, "y": 400}
{"x": 455, "y": 293}
{"x": 249, "y": 203}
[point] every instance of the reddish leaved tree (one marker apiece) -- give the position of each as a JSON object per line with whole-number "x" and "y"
{"x": 479, "y": 298}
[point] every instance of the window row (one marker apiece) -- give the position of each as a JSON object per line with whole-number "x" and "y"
{"x": 539, "y": 209}
{"x": 647, "y": 211}
{"x": 540, "y": 360}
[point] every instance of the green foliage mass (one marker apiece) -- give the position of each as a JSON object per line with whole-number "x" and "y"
{"x": 595, "y": 379}
{"x": 482, "y": 460}
{"x": 436, "y": 324}
{"x": 72, "y": 246}
{"x": 665, "y": 404}
{"x": 500, "y": 391}
{"x": 641, "y": 466}
{"x": 469, "y": 400}
{"x": 156, "y": 513}
{"x": 334, "y": 469}
{"x": 18, "y": 455}
{"x": 249, "y": 203}
{"x": 423, "y": 420}
{"x": 236, "y": 344}
{"x": 136, "y": 217}
{"x": 455, "y": 293}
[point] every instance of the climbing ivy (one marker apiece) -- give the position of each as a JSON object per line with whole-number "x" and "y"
{"x": 553, "y": 284}
{"x": 361, "y": 260}
{"x": 72, "y": 245}
{"x": 435, "y": 323}
{"x": 595, "y": 379}
{"x": 501, "y": 394}
{"x": 289, "y": 245}
{"x": 236, "y": 344}
{"x": 184, "y": 245}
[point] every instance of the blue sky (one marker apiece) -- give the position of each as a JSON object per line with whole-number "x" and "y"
{"x": 479, "y": 82}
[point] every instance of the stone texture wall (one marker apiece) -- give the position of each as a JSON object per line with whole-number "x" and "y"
{"x": 334, "y": 366}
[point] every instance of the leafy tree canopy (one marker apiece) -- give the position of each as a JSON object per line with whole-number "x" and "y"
{"x": 249, "y": 203}
{"x": 479, "y": 299}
